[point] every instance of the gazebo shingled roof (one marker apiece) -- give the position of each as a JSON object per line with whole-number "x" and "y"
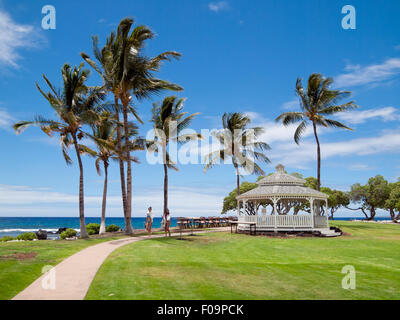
{"x": 281, "y": 184}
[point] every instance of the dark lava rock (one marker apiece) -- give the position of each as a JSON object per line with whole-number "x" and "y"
{"x": 61, "y": 230}
{"x": 41, "y": 234}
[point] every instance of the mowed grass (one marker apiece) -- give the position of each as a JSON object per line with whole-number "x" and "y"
{"x": 225, "y": 266}
{"x": 21, "y": 263}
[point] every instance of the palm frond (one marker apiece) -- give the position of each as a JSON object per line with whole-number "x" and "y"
{"x": 288, "y": 118}
{"x": 300, "y": 131}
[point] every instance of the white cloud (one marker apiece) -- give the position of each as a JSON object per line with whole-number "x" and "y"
{"x": 218, "y": 6}
{"x": 291, "y": 105}
{"x": 25, "y": 200}
{"x": 360, "y": 167}
{"x": 14, "y": 36}
{"x": 6, "y": 120}
{"x": 356, "y": 117}
{"x": 373, "y": 74}
{"x": 275, "y": 131}
{"x": 300, "y": 156}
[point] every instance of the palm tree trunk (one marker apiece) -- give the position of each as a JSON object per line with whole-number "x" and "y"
{"x": 164, "y": 150}
{"x": 83, "y": 230}
{"x": 237, "y": 172}
{"x": 165, "y": 187}
{"x": 104, "y": 204}
{"x": 128, "y": 218}
{"x": 318, "y": 157}
{"x": 121, "y": 162}
{"x": 237, "y": 178}
{"x": 238, "y": 184}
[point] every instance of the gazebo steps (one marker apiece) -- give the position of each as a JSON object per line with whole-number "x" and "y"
{"x": 328, "y": 232}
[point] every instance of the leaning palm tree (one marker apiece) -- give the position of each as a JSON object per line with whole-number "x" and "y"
{"x": 104, "y": 136}
{"x": 239, "y": 143}
{"x": 74, "y": 105}
{"x": 316, "y": 102}
{"x": 131, "y": 74}
{"x": 169, "y": 121}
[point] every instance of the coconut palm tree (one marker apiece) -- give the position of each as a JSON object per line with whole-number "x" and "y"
{"x": 104, "y": 136}
{"x": 105, "y": 140}
{"x": 317, "y": 102}
{"x": 128, "y": 73}
{"x": 239, "y": 143}
{"x": 74, "y": 106}
{"x": 169, "y": 121}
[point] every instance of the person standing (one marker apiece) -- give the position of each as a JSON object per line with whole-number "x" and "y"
{"x": 149, "y": 220}
{"x": 167, "y": 221}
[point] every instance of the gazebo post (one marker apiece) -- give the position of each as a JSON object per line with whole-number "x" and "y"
{"x": 275, "y": 200}
{"x": 312, "y": 212}
{"x": 326, "y": 213}
{"x": 238, "y": 208}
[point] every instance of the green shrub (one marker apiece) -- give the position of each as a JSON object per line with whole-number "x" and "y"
{"x": 112, "y": 228}
{"x": 69, "y": 233}
{"x": 27, "y": 236}
{"x": 6, "y": 238}
{"x": 93, "y": 228}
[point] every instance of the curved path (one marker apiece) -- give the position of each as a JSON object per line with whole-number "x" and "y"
{"x": 74, "y": 275}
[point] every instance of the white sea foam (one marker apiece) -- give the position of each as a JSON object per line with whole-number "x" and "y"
{"x": 31, "y": 230}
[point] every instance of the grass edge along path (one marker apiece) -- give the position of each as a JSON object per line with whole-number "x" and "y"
{"x": 74, "y": 275}
{"x": 21, "y": 263}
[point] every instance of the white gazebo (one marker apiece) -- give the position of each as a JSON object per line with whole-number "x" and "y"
{"x": 294, "y": 206}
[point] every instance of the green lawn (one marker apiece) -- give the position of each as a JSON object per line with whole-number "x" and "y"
{"x": 225, "y": 266}
{"x": 21, "y": 262}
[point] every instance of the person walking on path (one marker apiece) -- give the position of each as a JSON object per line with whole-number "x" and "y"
{"x": 149, "y": 220}
{"x": 167, "y": 220}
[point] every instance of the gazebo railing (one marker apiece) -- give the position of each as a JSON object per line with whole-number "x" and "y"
{"x": 294, "y": 221}
{"x": 286, "y": 221}
{"x": 321, "y": 222}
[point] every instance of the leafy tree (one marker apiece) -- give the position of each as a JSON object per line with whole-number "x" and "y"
{"x": 74, "y": 105}
{"x": 128, "y": 73}
{"x": 317, "y": 102}
{"x": 371, "y": 196}
{"x": 230, "y": 202}
{"x": 166, "y": 116}
{"x": 337, "y": 199}
{"x": 311, "y": 182}
{"x": 235, "y": 144}
{"x": 393, "y": 202}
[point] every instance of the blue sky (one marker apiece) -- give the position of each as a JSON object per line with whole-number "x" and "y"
{"x": 237, "y": 56}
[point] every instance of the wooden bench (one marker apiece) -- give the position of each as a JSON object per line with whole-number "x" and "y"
{"x": 253, "y": 226}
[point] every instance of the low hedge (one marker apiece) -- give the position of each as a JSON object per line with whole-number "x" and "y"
{"x": 112, "y": 228}
{"x": 93, "y": 228}
{"x": 27, "y": 236}
{"x": 69, "y": 233}
{"x": 6, "y": 238}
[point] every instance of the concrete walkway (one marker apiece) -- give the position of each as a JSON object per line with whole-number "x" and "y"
{"x": 71, "y": 279}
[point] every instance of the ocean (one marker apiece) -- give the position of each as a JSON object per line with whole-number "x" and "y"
{"x": 17, "y": 225}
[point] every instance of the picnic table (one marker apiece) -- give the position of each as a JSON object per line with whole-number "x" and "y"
{"x": 252, "y": 225}
{"x": 193, "y": 223}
